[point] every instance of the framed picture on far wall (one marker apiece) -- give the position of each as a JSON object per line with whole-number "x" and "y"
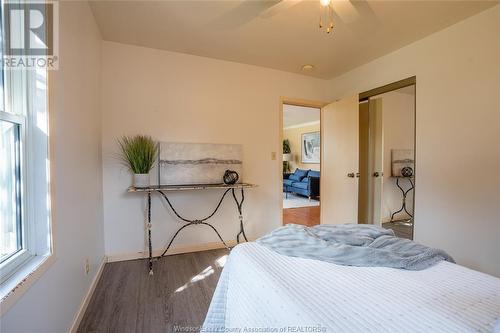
{"x": 310, "y": 143}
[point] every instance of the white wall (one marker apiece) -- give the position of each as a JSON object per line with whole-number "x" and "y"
{"x": 457, "y": 132}
{"x": 52, "y": 302}
{"x": 398, "y": 122}
{"x": 182, "y": 98}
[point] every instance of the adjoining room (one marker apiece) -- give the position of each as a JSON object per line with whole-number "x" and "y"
{"x": 301, "y": 164}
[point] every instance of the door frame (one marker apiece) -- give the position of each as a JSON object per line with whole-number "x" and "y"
{"x": 389, "y": 87}
{"x": 297, "y": 102}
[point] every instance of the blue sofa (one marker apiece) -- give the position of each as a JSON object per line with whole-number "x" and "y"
{"x": 303, "y": 182}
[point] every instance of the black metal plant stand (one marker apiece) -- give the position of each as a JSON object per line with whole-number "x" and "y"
{"x": 162, "y": 189}
{"x": 403, "y": 201}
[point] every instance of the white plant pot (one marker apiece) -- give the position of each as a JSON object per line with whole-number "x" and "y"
{"x": 141, "y": 179}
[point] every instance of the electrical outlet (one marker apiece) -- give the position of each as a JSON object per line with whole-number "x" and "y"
{"x": 273, "y": 156}
{"x": 87, "y": 266}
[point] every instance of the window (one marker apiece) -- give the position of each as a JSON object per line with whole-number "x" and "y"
{"x": 11, "y": 217}
{"x": 24, "y": 176}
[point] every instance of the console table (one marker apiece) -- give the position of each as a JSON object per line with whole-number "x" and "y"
{"x": 163, "y": 189}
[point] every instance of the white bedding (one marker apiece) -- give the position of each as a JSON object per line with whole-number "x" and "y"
{"x": 263, "y": 291}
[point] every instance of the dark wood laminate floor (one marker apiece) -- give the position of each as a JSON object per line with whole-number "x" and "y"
{"x": 128, "y": 299}
{"x": 403, "y": 231}
{"x": 307, "y": 216}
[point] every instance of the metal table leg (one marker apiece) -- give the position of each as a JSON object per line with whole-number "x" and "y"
{"x": 405, "y": 194}
{"x": 149, "y": 235}
{"x": 239, "y": 204}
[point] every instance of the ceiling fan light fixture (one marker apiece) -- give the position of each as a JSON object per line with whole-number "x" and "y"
{"x": 307, "y": 67}
{"x": 326, "y": 15}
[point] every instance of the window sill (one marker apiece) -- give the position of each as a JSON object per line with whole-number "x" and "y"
{"x": 13, "y": 264}
{"x": 13, "y": 288}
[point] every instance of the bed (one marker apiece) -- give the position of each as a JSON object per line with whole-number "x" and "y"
{"x": 261, "y": 290}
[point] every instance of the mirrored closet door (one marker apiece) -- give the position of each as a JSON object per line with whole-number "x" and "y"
{"x": 386, "y": 181}
{"x": 368, "y": 164}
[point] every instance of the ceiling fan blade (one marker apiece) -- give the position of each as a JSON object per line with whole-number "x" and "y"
{"x": 243, "y": 12}
{"x": 352, "y": 12}
{"x": 346, "y": 10}
{"x": 278, "y": 8}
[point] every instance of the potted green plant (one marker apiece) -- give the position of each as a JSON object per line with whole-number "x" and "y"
{"x": 139, "y": 155}
{"x": 287, "y": 155}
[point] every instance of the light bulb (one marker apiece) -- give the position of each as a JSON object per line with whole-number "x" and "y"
{"x": 324, "y": 3}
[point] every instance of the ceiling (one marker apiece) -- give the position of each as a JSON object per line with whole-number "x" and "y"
{"x": 299, "y": 115}
{"x": 240, "y": 31}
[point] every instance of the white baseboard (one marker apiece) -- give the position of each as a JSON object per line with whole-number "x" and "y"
{"x": 88, "y": 296}
{"x": 173, "y": 250}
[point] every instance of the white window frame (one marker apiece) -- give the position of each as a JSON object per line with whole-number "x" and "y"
{"x": 10, "y": 265}
{"x": 23, "y": 106}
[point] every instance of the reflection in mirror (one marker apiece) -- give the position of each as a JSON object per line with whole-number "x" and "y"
{"x": 386, "y": 160}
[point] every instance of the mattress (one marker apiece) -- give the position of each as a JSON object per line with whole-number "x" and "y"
{"x": 263, "y": 291}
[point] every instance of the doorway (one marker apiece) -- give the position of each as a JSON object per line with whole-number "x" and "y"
{"x": 301, "y": 155}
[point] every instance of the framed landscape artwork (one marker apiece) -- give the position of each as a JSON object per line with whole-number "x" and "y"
{"x": 311, "y": 144}
{"x": 197, "y": 163}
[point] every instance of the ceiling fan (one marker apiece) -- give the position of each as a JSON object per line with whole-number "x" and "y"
{"x": 347, "y": 11}
{"x": 344, "y": 9}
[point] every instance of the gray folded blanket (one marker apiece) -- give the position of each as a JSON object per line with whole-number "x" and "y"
{"x": 352, "y": 245}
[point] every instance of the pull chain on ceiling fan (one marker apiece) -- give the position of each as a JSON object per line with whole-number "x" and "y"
{"x": 326, "y": 15}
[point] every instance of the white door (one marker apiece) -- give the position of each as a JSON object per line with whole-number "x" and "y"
{"x": 339, "y": 161}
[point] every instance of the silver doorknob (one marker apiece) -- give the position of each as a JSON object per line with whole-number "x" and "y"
{"x": 350, "y": 175}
